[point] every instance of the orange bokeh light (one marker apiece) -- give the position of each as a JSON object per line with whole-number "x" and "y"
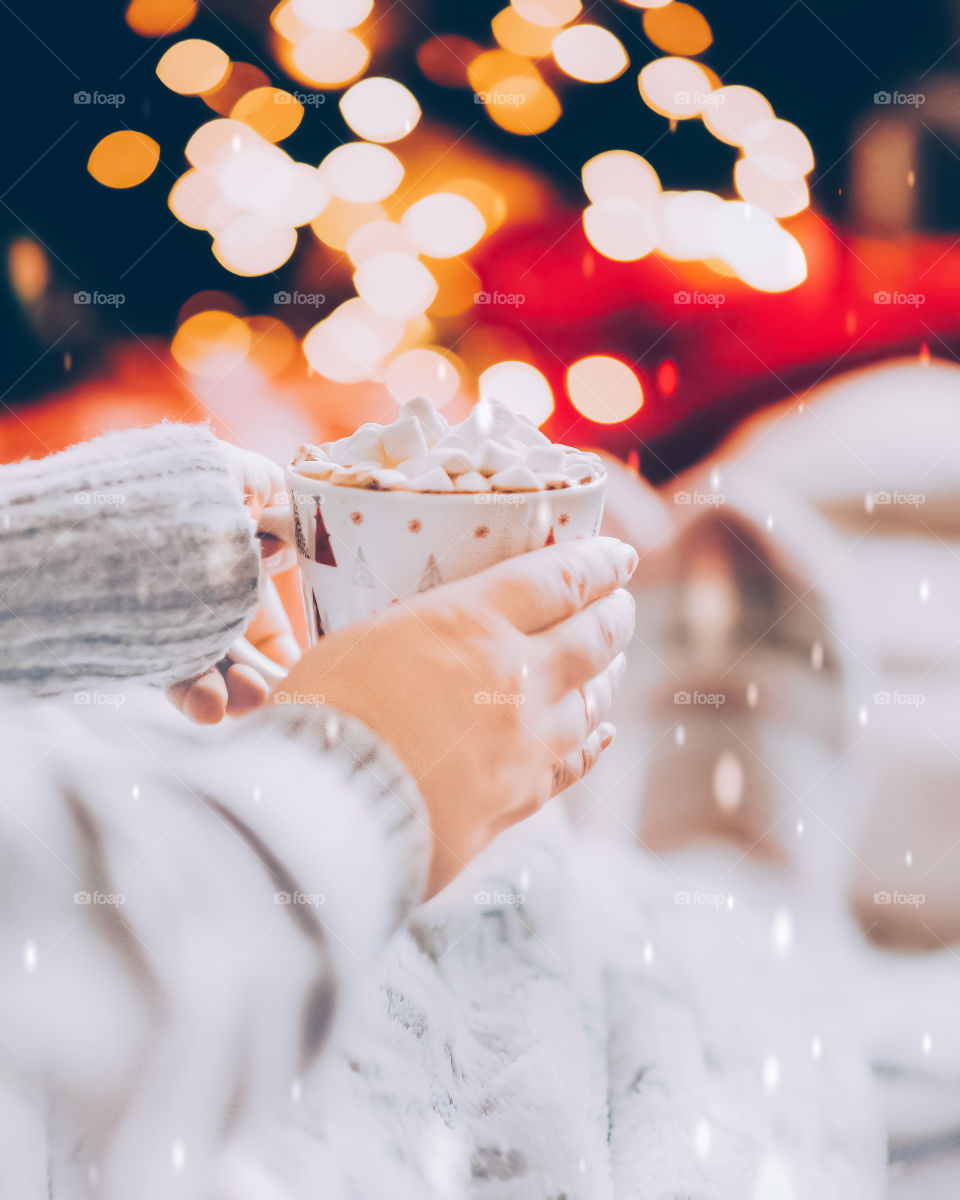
{"x": 123, "y": 159}
{"x": 210, "y": 342}
{"x": 242, "y": 77}
{"x": 271, "y": 111}
{"x": 604, "y": 389}
{"x": 678, "y": 29}
{"x": 157, "y": 18}
{"x": 444, "y": 60}
{"x": 192, "y": 66}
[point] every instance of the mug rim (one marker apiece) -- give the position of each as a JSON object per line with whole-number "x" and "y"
{"x": 313, "y": 484}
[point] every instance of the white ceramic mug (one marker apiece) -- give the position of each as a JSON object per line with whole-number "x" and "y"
{"x": 360, "y": 550}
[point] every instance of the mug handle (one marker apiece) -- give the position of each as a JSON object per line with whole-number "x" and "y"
{"x": 277, "y": 521}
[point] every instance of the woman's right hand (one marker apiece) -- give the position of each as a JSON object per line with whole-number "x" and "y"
{"x": 493, "y": 691}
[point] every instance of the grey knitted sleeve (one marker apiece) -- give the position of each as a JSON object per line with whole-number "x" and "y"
{"x": 129, "y": 556}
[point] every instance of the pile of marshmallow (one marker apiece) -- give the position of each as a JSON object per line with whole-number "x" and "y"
{"x": 493, "y": 450}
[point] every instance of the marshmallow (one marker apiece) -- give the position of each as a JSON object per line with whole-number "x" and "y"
{"x": 361, "y": 474}
{"x": 317, "y": 468}
{"x": 402, "y": 440}
{"x": 434, "y": 480}
{"x": 454, "y": 461}
{"x": 551, "y": 483}
{"x": 472, "y": 481}
{"x": 492, "y": 457}
{"x": 527, "y": 433}
{"x": 545, "y": 459}
{"x": 385, "y": 478}
{"x": 517, "y": 478}
{"x": 433, "y": 424}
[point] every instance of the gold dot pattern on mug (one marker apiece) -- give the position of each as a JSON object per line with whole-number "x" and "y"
{"x": 414, "y": 526}
{"x": 481, "y": 531}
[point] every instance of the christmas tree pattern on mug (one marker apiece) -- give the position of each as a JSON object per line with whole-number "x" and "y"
{"x": 322, "y": 549}
{"x": 431, "y": 576}
{"x": 362, "y": 575}
{"x": 316, "y": 616}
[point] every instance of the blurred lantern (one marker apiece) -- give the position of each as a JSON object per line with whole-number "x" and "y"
{"x": 123, "y": 159}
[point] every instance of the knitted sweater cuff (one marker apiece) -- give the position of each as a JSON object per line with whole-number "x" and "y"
{"x": 129, "y": 556}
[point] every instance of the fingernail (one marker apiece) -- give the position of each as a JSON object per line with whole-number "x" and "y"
{"x": 627, "y": 559}
{"x": 608, "y": 734}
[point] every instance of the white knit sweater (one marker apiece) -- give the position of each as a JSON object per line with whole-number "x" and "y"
{"x": 202, "y": 997}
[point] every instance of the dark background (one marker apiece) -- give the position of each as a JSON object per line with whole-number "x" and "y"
{"x": 818, "y": 63}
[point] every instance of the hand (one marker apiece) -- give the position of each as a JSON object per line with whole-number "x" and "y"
{"x": 492, "y": 691}
{"x": 229, "y": 688}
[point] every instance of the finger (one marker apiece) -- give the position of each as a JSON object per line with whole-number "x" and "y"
{"x": 270, "y": 631}
{"x": 585, "y": 644}
{"x": 582, "y": 710}
{"x": 177, "y": 694}
{"x": 536, "y": 590}
{"x": 246, "y": 689}
{"x": 263, "y": 482}
{"x": 206, "y": 699}
{"x": 574, "y": 766}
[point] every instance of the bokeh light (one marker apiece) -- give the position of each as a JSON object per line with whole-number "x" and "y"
{"x": 620, "y": 229}
{"x": 362, "y": 172}
{"x": 375, "y": 237}
{"x": 159, "y": 18}
{"x": 123, "y": 159}
{"x": 192, "y": 66}
{"x": 548, "y": 12}
{"x": 676, "y": 87}
{"x": 250, "y": 245}
{"x": 781, "y": 139}
{"x": 380, "y": 109}
{"x": 521, "y": 387}
{"x": 604, "y": 389}
{"x": 620, "y": 175}
{"x": 395, "y": 284}
{"x": 678, "y": 28}
{"x": 684, "y": 228}
{"x": 341, "y": 219}
{"x": 209, "y": 343}
{"x": 443, "y": 224}
{"x": 590, "y": 53}
{"x": 331, "y": 14}
{"x": 772, "y": 184}
{"x": 272, "y": 112}
{"x": 241, "y": 77}
{"x": 214, "y": 138}
{"x": 325, "y": 60}
{"x": 424, "y": 371}
{"x": 349, "y": 345}
{"x": 444, "y": 60}
{"x": 515, "y": 34}
{"x": 733, "y": 110}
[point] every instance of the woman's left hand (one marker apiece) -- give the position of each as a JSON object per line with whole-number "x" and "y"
{"x": 231, "y": 688}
